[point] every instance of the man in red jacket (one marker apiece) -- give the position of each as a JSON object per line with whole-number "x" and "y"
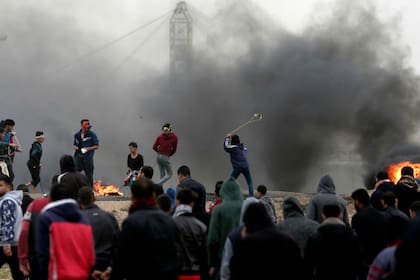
{"x": 165, "y": 146}
{"x": 64, "y": 244}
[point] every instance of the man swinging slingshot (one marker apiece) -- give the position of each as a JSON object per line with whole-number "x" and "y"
{"x": 238, "y": 154}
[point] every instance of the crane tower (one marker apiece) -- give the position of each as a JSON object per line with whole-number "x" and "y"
{"x": 180, "y": 38}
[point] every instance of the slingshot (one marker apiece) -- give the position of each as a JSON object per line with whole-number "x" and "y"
{"x": 256, "y": 117}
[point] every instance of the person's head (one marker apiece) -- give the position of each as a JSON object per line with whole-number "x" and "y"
{"x": 388, "y": 199}
{"x": 234, "y": 140}
{"x": 61, "y": 191}
{"x": 382, "y": 175}
{"x": 407, "y": 171}
{"x": 167, "y": 128}
{"x": 183, "y": 172}
{"x": 261, "y": 191}
{"x": 85, "y": 124}
{"x": 146, "y": 171}
{"x": 185, "y": 196}
{"x": 331, "y": 211}
{"x": 39, "y": 136}
{"x": 414, "y": 209}
{"x": 143, "y": 188}
{"x": 164, "y": 202}
{"x": 396, "y": 227}
{"x": 5, "y": 184}
{"x": 9, "y": 124}
{"x": 360, "y": 199}
{"x": 85, "y": 196}
{"x": 217, "y": 188}
{"x": 22, "y": 187}
{"x": 256, "y": 218}
{"x": 67, "y": 164}
{"x": 132, "y": 147}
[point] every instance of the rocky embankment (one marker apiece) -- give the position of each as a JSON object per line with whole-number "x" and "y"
{"x": 120, "y": 207}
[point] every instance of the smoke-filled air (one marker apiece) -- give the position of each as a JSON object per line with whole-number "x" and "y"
{"x": 341, "y": 86}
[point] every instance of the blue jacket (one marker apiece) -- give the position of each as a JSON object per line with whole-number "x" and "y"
{"x": 89, "y": 140}
{"x": 237, "y": 154}
{"x": 7, "y": 137}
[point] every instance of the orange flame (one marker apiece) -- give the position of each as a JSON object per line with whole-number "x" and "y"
{"x": 394, "y": 170}
{"x": 105, "y": 190}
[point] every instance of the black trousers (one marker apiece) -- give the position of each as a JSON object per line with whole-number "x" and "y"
{"x": 13, "y": 263}
{"x": 85, "y": 163}
{"x": 35, "y": 170}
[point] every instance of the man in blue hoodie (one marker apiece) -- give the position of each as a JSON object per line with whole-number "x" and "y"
{"x": 85, "y": 143}
{"x": 238, "y": 158}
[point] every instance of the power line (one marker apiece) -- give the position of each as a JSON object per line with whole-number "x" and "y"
{"x": 112, "y": 42}
{"x": 141, "y": 44}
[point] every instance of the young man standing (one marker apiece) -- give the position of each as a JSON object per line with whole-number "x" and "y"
{"x": 4, "y": 153}
{"x": 10, "y": 137}
{"x": 105, "y": 231}
{"x": 134, "y": 164}
{"x": 28, "y": 262}
{"x": 34, "y": 162}
{"x": 64, "y": 241}
{"x": 268, "y": 202}
{"x": 149, "y": 242}
{"x": 10, "y": 223}
{"x": 238, "y": 158}
{"x": 186, "y": 182}
{"x": 165, "y": 145}
{"x": 85, "y": 143}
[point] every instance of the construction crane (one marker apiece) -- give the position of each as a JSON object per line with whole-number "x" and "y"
{"x": 180, "y": 39}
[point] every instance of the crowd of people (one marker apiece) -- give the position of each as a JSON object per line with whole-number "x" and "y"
{"x": 179, "y": 234}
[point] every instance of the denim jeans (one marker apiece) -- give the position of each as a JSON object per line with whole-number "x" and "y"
{"x": 10, "y": 168}
{"x": 237, "y": 171}
{"x": 164, "y": 168}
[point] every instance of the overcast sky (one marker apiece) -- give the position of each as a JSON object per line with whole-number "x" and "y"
{"x": 112, "y": 18}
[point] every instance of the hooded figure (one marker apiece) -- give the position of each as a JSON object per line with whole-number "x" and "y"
{"x": 233, "y": 238}
{"x": 64, "y": 242}
{"x": 224, "y": 219}
{"x": 406, "y": 190}
{"x": 69, "y": 175}
{"x": 238, "y": 157}
{"x": 294, "y": 223}
{"x": 326, "y": 195}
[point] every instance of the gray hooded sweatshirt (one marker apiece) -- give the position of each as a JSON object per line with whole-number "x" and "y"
{"x": 326, "y": 195}
{"x": 299, "y": 227}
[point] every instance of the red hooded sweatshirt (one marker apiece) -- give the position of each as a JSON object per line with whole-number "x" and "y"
{"x": 166, "y": 143}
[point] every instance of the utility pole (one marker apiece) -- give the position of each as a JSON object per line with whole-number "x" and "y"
{"x": 180, "y": 39}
